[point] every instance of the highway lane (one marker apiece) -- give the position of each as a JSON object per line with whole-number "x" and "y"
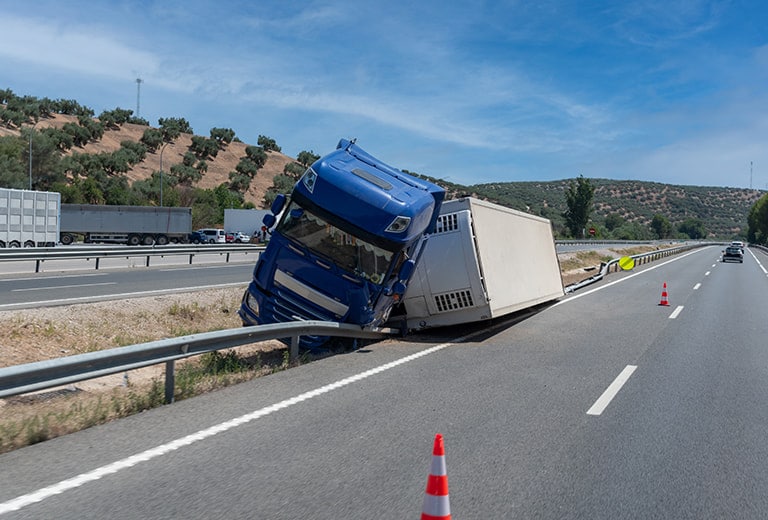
{"x": 45, "y": 289}
{"x": 350, "y": 436}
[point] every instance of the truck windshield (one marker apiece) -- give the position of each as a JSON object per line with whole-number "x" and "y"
{"x": 344, "y": 249}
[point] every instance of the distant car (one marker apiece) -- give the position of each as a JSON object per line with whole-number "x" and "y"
{"x": 197, "y": 237}
{"x": 238, "y": 237}
{"x": 213, "y": 235}
{"x": 738, "y": 244}
{"x": 733, "y": 253}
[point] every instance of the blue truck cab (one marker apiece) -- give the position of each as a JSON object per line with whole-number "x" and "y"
{"x": 345, "y": 243}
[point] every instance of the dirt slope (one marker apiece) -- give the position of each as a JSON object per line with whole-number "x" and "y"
{"x": 218, "y": 168}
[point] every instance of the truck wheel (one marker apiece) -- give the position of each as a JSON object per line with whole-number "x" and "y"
{"x": 14, "y": 244}
{"x": 29, "y": 243}
{"x": 134, "y": 240}
{"x": 67, "y": 239}
{"x": 161, "y": 240}
{"x": 148, "y": 240}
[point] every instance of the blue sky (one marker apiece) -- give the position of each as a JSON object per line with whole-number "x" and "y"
{"x": 468, "y": 91}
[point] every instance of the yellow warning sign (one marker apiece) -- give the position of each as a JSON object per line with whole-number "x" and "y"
{"x": 627, "y": 263}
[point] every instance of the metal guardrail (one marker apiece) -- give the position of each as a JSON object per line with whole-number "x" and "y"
{"x": 39, "y": 255}
{"x": 640, "y": 259}
{"x": 41, "y": 375}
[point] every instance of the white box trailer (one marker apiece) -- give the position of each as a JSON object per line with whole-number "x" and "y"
{"x": 249, "y": 221}
{"x": 482, "y": 262}
{"x": 29, "y": 218}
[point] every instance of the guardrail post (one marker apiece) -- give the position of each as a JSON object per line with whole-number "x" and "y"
{"x": 147, "y": 260}
{"x": 295, "y": 347}
{"x": 97, "y": 263}
{"x": 190, "y": 258}
{"x": 37, "y": 266}
{"x": 170, "y": 380}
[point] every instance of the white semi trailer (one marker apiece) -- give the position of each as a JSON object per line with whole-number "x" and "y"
{"x": 483, "y": 261}
{"x": 29, "y": 218}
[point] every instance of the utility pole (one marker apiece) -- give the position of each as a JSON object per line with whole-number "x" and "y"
{"x": 139, "y": 81}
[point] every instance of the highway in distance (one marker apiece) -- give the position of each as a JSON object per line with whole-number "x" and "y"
{"x": 33, "y": 290}
{"x": 605, "y": 405}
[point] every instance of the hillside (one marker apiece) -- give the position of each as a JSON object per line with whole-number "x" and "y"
{"x": 218, "y": 167}
{"x": 723, "y": 211}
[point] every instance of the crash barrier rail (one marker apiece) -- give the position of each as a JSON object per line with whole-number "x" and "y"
{"x": 41, "y": 375}
{"x": 640, "y": 259}
{"x": 40, "y": 255}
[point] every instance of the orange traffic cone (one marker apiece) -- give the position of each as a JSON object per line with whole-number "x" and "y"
{"x": 664, "y": 301}
{"x": 436, "y": 505}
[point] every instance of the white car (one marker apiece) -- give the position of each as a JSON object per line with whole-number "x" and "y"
{"x": 238, "y": 237}
{"x": 213, "y": 235}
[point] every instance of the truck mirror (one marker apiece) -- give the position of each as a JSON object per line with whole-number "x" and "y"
{"x": 269, "y": 220}
{"x": 277, "y": 204}
{"x": 406, "y": 270}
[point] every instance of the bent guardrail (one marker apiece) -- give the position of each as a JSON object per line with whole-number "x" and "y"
{"x": 41, "y": 375}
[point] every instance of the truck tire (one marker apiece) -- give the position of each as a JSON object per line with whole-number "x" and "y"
{"x": 29, "y": 243}
{"x": 67, "y": 239}
{"x": 161, "y": 240}
{"x": 148, "y": 240}
{"x": 134, "y": 240}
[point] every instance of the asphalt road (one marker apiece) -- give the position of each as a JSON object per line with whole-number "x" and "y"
{"x": 606, "y": 405}
{"x": 33, "y": 290}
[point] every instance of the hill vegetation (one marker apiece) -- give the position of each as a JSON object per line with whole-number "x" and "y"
{"x": 626, "y": 209}
{"x": 116, "y": 158}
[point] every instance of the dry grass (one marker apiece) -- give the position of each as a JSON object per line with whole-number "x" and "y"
{"x": 48, "y": 333}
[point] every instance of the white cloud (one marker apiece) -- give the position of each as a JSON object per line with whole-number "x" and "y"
{"x": 81, "y": 49}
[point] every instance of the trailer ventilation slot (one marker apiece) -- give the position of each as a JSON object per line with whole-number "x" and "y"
{"x": 446, "y": 223}
{"x": 453, "y": 300}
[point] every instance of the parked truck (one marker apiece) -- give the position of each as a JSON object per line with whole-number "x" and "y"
{"x": 482, "y": 262}
{"x": 132, "y": 225}
{"x": 29, "y": 218}
{"x": 346, "y": 243}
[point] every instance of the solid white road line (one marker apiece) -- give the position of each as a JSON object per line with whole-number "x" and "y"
{"x": 52, "y": 287}
{"x": 107, "y": 297}
{"x": 611, "y": 391}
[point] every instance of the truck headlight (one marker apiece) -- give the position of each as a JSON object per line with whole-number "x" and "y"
{"x": 251, "y": 302}
{"x": 399, "y": 225}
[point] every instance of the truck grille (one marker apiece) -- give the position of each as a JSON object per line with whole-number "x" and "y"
{"x": 287, "y": 308}
{"x": 446, "y": 223}
{"x": 453, "y": 300}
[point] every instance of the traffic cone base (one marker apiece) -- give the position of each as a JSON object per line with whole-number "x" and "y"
{"x": 436, "y": 504}
{"x": 664, "y": 297}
